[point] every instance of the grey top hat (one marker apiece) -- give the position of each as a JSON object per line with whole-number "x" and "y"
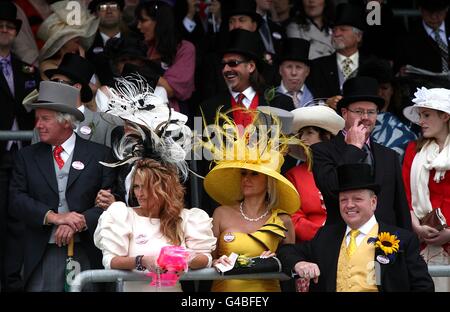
{"x": 284, "y": 116}
{"x": 58, "y": 97}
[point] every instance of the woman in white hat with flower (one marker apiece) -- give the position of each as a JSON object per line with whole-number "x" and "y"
{"x": 425, "y": 165}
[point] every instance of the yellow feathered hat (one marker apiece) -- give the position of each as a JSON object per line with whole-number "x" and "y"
{"x": 258, "y": 148}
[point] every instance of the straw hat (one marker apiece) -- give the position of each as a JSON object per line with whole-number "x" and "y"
{"x": 56, "y": 30}
{"x": 436, "y": 98}
{"x": 318, "y": 116}
{"x": 223, "y": 182}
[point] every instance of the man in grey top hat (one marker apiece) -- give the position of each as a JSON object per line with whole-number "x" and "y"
{"x": 53, "y": 191}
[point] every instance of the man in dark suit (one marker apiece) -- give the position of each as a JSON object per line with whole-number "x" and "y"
{"x": 110, "y": 14}
{"x": 359, "y": 108}
{"x": 272, "y": 34}
{"x": 354, "y": 256}
{"x": 53, "y": 190}
{"x": 241, "y": 66}
{"x": 17, "y": 79}
{"x": 426, "y": 45}
{"x": 329, "y": 73}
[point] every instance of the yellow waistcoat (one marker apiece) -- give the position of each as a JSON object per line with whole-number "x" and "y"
{"x": 357, "y": 273}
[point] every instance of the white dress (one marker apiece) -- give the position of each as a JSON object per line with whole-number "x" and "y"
{"x": 122, "y": 232}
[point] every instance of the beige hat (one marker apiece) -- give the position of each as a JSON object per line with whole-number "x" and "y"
{"x": 318, "y": 116}
{"x": 65, "y": 24}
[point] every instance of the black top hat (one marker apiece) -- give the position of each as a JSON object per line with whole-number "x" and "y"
{"x": 295, "y": 49}
{"x": 247, "y": 43}
{"x": 125, "y": 47}
{"x": 8, "y": 12}
{"x": 433, "y": 5}
{"x": 356, "y": 177}
{"x": 240, "y": 7}
{"x": 92, "y": 6}
{"x": 149, "y": 72}
{"x": 77, "y": 69}
{"x": 349, "y": 15}
{"x": 360, "y": 89}
{"x": 379, "y": 69}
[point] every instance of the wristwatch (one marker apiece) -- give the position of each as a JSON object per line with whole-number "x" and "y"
{"x": 138, "y": 262}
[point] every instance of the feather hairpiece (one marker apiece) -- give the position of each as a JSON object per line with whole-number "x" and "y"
{"x": 153, "y": 129}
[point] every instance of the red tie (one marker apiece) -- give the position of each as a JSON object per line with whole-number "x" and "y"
{"x": 240, "y": 100}
{"x": 57, "y": 154}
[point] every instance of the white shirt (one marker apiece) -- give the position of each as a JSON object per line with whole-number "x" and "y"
{"x": 442, "y": 33}
{"x": 363, "y": 231}
{"x": 354, "y": 58}
{"x": 106, "y": 37}
{"x": 249, "y": 94}
{"x": 68, "y": 147}
{"x": 189, "y": 24}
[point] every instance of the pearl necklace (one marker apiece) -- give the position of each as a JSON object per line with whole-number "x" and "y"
{"x": 241, "y": 209}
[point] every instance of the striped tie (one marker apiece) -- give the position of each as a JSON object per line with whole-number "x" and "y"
{"x": 443, "y": 48}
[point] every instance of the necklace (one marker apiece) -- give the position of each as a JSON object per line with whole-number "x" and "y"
{"x": 241, "y": 209}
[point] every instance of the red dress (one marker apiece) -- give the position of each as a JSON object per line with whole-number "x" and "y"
{"x": 312, "y": 212}
{"x": 439, "y": 192}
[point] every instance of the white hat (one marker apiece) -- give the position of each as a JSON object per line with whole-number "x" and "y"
{"x": 318, "y": 116}
{"x": 436, "y": 98}
{"x": 64, "y": 25}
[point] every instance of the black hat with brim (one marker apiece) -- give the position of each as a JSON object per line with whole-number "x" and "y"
{"x": 8, "y": 12}
{"x": 240, "y": 7}
{"x": 356, "y": 177}
{"x": 349, "y": 15}
{"x": 359, "y": 89}
{"x": 246, "y": 43}
{"x": 295, "y": 49}
{"x": 77, "y": 69}
{"x": 433, "y": 5}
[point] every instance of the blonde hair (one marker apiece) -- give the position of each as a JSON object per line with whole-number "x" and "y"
{"x": 164, "y": 187}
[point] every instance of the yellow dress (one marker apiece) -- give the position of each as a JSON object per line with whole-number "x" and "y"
{"x": 268, "y": 237}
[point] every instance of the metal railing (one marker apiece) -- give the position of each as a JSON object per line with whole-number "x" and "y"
{"x": 119, "y": 276}
{"x": 6, "y": 135}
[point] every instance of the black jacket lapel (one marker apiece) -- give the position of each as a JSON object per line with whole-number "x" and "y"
{"x": 80, "y": 153}
{"x": 44, "y": 161}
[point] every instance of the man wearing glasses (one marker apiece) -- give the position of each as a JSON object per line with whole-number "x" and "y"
{"x": 17, "y": 79}
{"x": 110, "y": 14}
{"x": 359, "y": 108}
{"x": 241, "y": 64}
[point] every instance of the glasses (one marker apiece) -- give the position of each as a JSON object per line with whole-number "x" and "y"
{"x": 106, "y": 6}
{"x": 8, "y": 26}
{"x": 361, "y": 112}
{"x": 232, "y": 64}
{"x": 70, "y": 83}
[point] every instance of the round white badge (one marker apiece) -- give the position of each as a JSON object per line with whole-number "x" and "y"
{"x": 383, "y": 259}
{"x": 86, "y": 130}
{"x": 78, "y": 165}
{"x": 228, "y": 237}
{"x": 276, "y": 35}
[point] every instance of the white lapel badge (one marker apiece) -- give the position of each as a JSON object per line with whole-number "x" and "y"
{"x": 383, "y": 259}
{"x": 228, "y": 237}
{"x": 86, "y": 130}
{"x": 78, "y": 165}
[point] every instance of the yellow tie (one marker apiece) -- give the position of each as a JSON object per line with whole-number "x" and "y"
{"x": 351, "y": 248}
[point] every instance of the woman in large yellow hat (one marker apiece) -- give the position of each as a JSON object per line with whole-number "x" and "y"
{"x": 256, "y": 200}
